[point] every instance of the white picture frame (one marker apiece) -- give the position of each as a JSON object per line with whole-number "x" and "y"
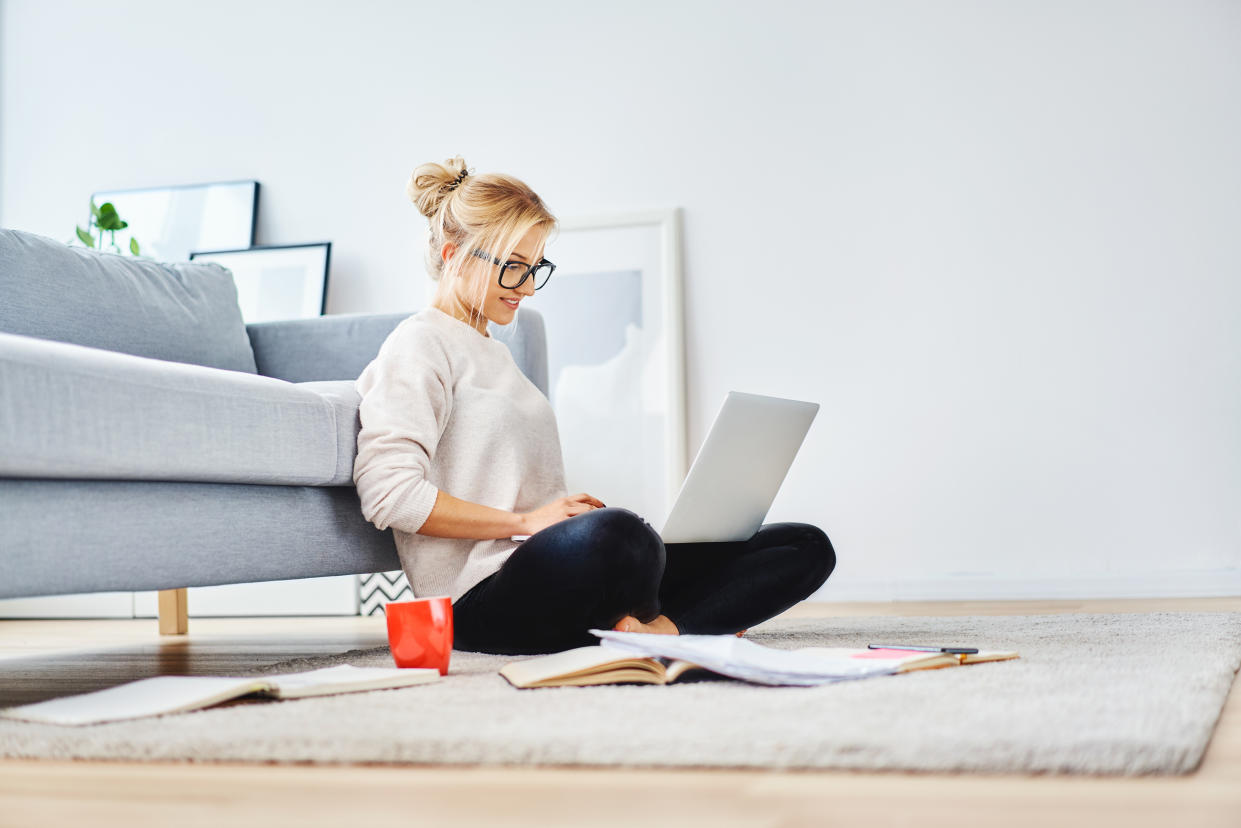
{"x": 617, "y": 360}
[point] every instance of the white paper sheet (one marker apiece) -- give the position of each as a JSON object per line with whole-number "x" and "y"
{"x": 743, "y": 659}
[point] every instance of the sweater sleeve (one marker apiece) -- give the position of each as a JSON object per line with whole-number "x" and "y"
{"x": 406, "y": 401}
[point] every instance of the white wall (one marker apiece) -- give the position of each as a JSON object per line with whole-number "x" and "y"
{"x": 997, "y": 241}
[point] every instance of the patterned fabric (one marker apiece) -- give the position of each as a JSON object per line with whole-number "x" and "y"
{"x": 378, "y": 589}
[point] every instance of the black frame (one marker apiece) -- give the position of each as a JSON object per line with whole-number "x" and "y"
{"x": 327, "y": 261}
{"x": 529, "y": 270}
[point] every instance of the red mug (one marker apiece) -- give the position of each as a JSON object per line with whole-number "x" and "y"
{"x": 420, "y": 632}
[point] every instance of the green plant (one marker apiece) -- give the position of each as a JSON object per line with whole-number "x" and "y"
{"x": 105, "y": 219}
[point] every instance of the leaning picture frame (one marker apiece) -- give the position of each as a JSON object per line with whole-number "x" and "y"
{"x": 276, "y": 281}
{"x": 613, "y": 313}
{"x": 169, "y": 222}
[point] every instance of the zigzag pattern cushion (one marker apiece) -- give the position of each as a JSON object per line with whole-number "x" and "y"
{"x": 380, "y": 588}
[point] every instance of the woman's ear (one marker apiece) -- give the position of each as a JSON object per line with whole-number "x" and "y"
{"x": 448, "y": 251}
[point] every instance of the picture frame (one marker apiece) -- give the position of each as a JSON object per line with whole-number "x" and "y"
{"x": 276, "y": 281}
{"x": 614, "y": 316}
{"x": 169, "y": 222}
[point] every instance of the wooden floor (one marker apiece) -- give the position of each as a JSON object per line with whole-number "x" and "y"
{"x": 43, "y": 659}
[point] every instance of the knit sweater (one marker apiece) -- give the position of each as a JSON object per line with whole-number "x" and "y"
{"x": 445, "y": 407}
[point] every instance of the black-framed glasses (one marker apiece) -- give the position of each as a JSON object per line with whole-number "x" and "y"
{"x": 514, "y": 274}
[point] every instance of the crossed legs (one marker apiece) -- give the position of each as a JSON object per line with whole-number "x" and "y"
{"x": 594, "y": 569}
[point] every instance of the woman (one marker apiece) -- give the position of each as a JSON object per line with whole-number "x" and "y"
{"x": 459, "y": 452}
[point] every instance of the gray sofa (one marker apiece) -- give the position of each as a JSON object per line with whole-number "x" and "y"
{"x": 151, "y": 440}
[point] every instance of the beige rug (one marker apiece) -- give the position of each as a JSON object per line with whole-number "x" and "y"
{"x": 1104, "y": 694}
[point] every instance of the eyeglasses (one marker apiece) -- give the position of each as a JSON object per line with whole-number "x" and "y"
{"x": 514, "y": 274}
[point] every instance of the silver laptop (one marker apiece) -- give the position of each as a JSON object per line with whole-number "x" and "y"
{"x": 739, "y": 468}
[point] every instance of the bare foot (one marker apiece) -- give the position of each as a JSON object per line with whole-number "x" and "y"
{"x": 660, "y": 624}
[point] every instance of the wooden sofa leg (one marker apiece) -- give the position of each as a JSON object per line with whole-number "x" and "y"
{"x": 174, "y": 616}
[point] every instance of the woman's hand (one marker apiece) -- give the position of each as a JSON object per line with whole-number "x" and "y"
{"x": 558, "y": 510}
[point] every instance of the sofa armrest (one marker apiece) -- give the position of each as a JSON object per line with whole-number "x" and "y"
{"x": 340, "y": 346}
{"x": 334, "y": 347}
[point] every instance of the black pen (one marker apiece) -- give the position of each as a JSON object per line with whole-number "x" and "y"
{"x": 953, "y": 650}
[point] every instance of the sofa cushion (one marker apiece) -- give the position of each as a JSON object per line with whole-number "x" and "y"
{"x": 70, "y": 411}
{"x": 179, "y": 311}
{"x": 345, "y": 401}
{"x": 66, "y": 536}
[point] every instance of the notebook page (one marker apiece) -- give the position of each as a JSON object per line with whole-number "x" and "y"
{"x": 562, "y": 663}
{"x": 345, "y": 678}
{"x": 739, "y": 658}
{"x": 147, "y": 697}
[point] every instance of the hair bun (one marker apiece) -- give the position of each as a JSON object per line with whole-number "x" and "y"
{"x": 431, "y": 183}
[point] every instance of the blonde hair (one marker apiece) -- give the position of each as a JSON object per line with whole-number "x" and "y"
{"x": 490, "y": 212}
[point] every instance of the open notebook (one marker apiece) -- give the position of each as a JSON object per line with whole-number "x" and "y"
{"x": 175, "y": 694}
{"x": 662, "y": 659}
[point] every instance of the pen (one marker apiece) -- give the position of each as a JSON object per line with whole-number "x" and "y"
{"x": 953, "y": 650}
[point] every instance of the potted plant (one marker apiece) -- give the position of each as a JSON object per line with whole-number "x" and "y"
{"x": 104, "y": 219}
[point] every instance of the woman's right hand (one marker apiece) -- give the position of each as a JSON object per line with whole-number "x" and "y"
{"x": 558, "y": 510}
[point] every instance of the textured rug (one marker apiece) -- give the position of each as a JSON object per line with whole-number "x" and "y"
{"x": 1101, "y": 694}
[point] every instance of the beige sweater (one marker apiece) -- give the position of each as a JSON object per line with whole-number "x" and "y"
{"x": 445, "y": 407}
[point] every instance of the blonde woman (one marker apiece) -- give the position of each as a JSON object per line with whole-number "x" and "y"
{"x": 459, "y": 452}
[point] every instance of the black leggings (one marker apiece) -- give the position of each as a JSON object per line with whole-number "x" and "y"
{"x": 593, "y": 569}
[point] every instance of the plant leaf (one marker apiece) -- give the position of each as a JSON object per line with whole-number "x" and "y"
{"x": 133, "y": 245}
{"x": 86, "y": 238}
{"x": 108, "y": 218}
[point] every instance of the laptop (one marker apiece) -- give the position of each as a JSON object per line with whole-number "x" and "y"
{"x": 735, "y": 477}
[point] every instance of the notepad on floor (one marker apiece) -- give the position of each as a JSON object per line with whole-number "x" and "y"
{"x": 176, "y": 694}
{"x": 906, "y": 660}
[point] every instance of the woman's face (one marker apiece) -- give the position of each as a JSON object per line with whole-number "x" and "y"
{"x": 500, "y": 303}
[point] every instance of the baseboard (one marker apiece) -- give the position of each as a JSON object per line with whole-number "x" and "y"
{"x": 1184, "y": 584}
